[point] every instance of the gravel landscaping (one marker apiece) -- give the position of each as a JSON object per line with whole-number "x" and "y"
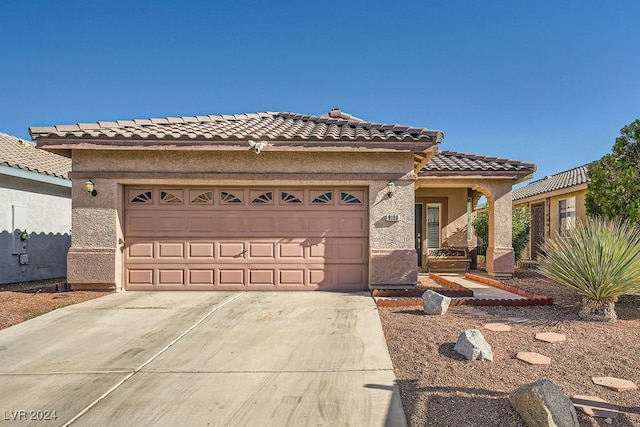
{"x": 23, "y": 301}
{"x": 440, "y": 388}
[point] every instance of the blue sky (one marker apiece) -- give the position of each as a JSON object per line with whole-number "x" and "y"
{"x": 545, "y": 81}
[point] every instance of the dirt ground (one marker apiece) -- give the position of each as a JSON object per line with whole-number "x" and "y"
{"x": 440, "y": 388}
{"x": 23, "y": 301}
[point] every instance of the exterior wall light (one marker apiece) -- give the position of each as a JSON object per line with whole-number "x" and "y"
{"x": 257, "y": 146}
{"x": 90, "y": 186}
{"x": 391, "y": 188}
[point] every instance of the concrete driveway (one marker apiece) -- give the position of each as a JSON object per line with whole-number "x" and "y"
{"x": 201, "y": 359}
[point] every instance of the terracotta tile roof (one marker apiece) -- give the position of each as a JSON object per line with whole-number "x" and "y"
{"x": 448, "y": 162}
{"x": 566, "y": 179}
{"x": 21, "y": 154}
{"x": 333, "y": 126}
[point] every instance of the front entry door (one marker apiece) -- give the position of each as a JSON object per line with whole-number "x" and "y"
{"x": 419, "y": 222}
{"x": 537, "y": 228}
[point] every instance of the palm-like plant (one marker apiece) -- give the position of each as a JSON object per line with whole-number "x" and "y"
{"x": 600, "y": 259}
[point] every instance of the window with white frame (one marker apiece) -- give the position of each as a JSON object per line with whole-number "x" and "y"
{"x": 433, "y": 225}
{"x": 566, "y": 216}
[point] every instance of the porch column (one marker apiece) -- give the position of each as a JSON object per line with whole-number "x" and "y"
{"x": 500, "y": 254}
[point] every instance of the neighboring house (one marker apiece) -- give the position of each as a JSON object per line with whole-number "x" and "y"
{"x": 35, "y": 212}
{"x": 272, "y": 201}
{"x": 554, "y": 202}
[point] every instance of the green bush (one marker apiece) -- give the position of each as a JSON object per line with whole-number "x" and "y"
{"x": 481, "y": 229}
{"x": 600, "y": 260}
{"x": 520, "y": 226}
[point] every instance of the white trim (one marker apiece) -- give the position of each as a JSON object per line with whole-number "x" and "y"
{"x": 34, "y": 176}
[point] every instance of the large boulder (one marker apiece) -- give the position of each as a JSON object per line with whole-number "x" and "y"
{"x": 542, "y": 404}
{"x": 472, "y": 345}
{"x": 434, "y": 303}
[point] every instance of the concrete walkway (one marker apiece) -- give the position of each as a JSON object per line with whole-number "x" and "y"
{"x": 480, "y": 290}
{"x": 201, "y": 358}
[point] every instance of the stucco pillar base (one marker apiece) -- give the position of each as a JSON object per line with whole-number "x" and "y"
{"x": 393, "y": 267}
{"x": 91, "y": 268}
{"x": 500, "y": 262}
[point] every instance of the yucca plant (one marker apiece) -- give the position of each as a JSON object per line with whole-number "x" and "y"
{"x": 600, "y": 259}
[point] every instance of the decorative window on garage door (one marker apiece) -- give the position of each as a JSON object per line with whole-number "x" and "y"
{"x": 171, "y": 196}
{"x": 351, "y": 197}
{"x": 201, "y": 197}
{"x": 140, "y": 196}
{"x": 291, "y": 196}
{"x": 227, "y": 197}
{"x": 321, "y": 197}
{"x": 261, "y": 197}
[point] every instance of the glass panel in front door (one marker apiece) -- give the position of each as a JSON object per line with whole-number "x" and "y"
{"x": 418, "y": 220}
{"x": 433, "y": 225}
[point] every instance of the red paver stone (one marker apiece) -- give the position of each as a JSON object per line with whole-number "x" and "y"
{"x": 533, "y": 358}
{"x": 617, "y": 384}
{"x": 498, "y": 327}
{"x": 551, "y": 337}
{"x": 595, "y": 407}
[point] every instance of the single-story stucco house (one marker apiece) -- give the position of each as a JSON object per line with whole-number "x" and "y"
{"x": 272, "y": 201}
{"x": 555, "y": 202}
{"x": 35, "y": 212}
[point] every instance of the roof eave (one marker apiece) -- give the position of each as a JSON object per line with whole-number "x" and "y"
{"x": 34, "y": 175}
{"x": 63, "y": 146}
{"x": 516, "y": 176}
{"x": 553, "y": 193}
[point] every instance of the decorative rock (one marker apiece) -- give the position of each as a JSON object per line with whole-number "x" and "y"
{"x": 533, "y": 358}
{"x": 472, "y": 345}
{"x": 551, "y": 337}
{"x": 542, "y": 404}
{"x": 595, "y": 407}
{"x": 616, "y": 384}
{"x": 434, "y": 303}
{"x": 498, "y": 327}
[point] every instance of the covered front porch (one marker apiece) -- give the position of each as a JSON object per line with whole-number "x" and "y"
{"x": 447, "y": 192}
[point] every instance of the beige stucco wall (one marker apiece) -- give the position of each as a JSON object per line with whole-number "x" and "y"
{"x": 554, "y": 217}
{"x": 98, "y": 236}
{"x": 454, "y": 226}
{"x": 241, "y": 161}
{"x": 552, "y": 211}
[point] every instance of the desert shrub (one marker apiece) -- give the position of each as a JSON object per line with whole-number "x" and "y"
{"x": 600, "y": 260}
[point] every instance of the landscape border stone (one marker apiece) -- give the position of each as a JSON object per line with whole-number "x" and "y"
{"x": 404, "y": 298}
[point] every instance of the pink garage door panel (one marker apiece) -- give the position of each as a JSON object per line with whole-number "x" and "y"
{"x": 247, "y": 223}
{"x": 245, "y": 238}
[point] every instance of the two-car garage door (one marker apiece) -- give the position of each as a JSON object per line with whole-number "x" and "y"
{"x": 232, "y": 238}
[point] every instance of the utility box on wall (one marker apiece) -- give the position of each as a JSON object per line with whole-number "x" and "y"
{"x": 18, "y": 226}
